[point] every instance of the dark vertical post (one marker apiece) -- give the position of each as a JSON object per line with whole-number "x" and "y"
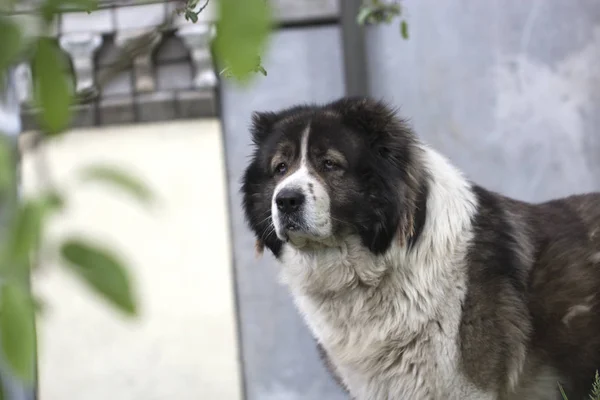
{"x": 353, "y": 40}
{"x": 10, "y": 127}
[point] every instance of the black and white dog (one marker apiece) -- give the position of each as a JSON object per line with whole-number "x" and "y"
{"x": 417, "y": 283}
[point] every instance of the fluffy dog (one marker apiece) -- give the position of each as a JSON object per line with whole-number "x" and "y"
{"x": 417, "y": 283}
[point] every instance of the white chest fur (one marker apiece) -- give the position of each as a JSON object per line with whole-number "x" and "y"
{"x": 396, "y": 338}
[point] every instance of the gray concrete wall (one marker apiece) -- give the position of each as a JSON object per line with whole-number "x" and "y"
{"x": 278, "y": 354}
{"x": 509, "y": 90}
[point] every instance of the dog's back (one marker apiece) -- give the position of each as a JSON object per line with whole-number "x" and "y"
{"x": 564, "y": 289}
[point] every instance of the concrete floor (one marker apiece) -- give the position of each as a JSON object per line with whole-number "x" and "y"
{"x": 184, "y": 344}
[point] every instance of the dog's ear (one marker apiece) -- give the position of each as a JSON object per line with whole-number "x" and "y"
{"x": 262, "y": 125}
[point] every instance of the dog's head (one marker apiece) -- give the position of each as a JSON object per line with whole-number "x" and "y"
{"x": 320, "y": 173}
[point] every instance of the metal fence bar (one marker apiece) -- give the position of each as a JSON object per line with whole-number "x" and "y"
{"x": 353, "y": 41}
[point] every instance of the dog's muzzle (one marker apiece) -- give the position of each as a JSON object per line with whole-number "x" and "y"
{"x": 290, "y": 207}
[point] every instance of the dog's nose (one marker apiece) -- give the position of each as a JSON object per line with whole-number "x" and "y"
{"x": 289, "y": 200}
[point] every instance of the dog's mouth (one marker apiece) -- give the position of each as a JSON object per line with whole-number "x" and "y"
{"x": 293, "y": 232}
{"x": 291, "y": 226}
{"x": 296, "y": 229}
{"x": 302, "y": 238}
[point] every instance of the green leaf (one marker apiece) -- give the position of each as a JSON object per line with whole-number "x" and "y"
{"x": 243, "y": 28}
{"x": 595, "y": 395}
{"x": 26, "y": 232}
{"x": 190, "y": 15}
{"x": 120, "y": 179}
{"x": 2, "y": 397}
{"x": 51, "y": 86}
{"x": 262, "y": 70}
{"x": 102, "y": 271}
{"x": 225, "y": 72}
{"x": 7, "y": 167}
{"x": 17, "y": 331}
{"x": 378, "y": 12}
{"x": 404, "y": 29}
{"x": 562, "y": 392}
{"x": 363, "y": 14}
{"x": 11, "y": 40}
{"x": 50, "y": 202}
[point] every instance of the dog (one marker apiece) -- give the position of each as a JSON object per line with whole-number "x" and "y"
{"x": 416, "y": 282}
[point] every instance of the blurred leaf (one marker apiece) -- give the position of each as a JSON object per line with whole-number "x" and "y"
{"x": 102, "y": 271}
{"x": 7, "y": 166}
{"x": 363, "y": 14}
{"x": 50, "y": 202}
{"x": 378, "y": 12}
{"x": 191, "y": 16}
{"x": 243, "y": 28}
{"x": 225, "y": 72}
{"x": 562, "y": 392}
{"x": 17, "y": 331}
{"x": 120, "y": 179}
{"x": 24, "y": 235}
{"x": 595, "y": 394}
{"x": 2, "y": 388}
{"x": 51, "y": 86}
{"x": 262, "y": 70}
{"x": 404, "y": 29}
{"x": 258, "y": 68}
{"x": 11, "y": 40}
{"x": 26, "y": 232}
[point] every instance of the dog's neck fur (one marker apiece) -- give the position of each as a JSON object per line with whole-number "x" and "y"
{"x": 390, "y": 323}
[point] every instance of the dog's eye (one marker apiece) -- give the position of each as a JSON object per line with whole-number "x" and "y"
{"x": 281, "y": 168}
{"x": 329, "y": 165}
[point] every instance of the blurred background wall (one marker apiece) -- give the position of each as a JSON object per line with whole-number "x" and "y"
{"x": 184, "y": 343}
{"x": 508, "y": 89}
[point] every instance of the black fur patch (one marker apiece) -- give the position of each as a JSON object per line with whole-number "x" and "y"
{"x": 495, "y": 324}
